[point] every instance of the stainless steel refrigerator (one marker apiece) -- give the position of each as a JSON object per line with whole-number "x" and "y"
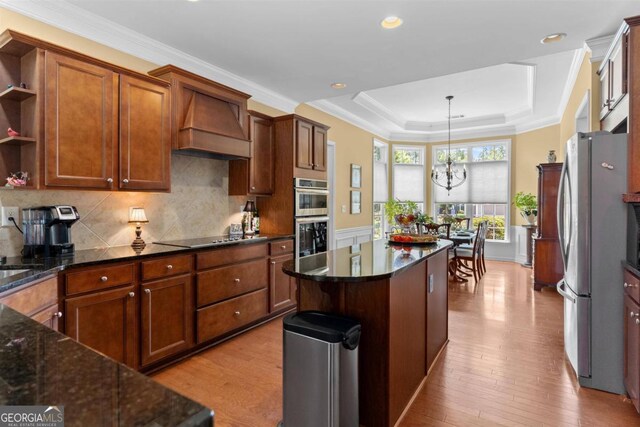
{"x": 592, "y": 229}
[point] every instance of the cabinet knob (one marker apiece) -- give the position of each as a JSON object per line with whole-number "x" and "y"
{"x": 125, "y": 181}
{"x": 132, "y": 294}
{"x": 58, "y": 314}
{"x": 237, "y": 313}
{"x": 236, "y": 280}
{"x": 147, "y": 291}
{"x": 637, "y": 321}
{"x": 104, "y": 278}
{"x": 273, "y": 263}
{"x": 169, "y": 267}
{"x": 631, "y": 314}
{"x": 110, "y": 180}
{"x": 283, "y": 246}
{"x": 626, "y": 285}
{"x": 253, "y": 188}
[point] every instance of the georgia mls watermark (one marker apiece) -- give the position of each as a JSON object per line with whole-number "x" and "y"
{"x": 32, "y": 416}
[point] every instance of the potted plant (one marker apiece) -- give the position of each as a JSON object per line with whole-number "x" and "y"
{"x": 527, "y": 204}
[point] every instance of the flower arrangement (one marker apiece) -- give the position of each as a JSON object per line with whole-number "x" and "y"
{"x": 404, "y": 213}
{"x": 17, "y": 179}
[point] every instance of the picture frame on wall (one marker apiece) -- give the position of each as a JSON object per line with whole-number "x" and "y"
{"x": 355, "y": 202}
{"x": 356, "y": 175}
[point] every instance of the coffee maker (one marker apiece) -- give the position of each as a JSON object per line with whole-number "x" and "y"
{"x": 47, "y": 231}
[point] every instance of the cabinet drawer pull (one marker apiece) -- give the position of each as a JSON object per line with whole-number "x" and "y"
{"x": 169, "y": 267}
{"x": 125, "y": 181}
{"x": 237, "y": 313}
{"x": 104, "y": 278}
{"x": 236, "y": 280}
{"x": 147, "y": 291}
{"x": 273, "y": 263}
{"x": 132, "y": 294}
{"x": 58, "y": 314}
{"x": 283, "y": 246}
{"x": 110, "y": 180}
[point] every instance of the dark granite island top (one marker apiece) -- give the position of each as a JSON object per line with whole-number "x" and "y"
{"x": 400, "y": 300}
{"x": 39, "y": 366}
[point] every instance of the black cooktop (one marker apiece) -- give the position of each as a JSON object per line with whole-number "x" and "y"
{"x": 201, "y": 242}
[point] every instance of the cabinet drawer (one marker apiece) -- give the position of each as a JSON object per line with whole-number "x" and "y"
{"x": 226, "y": 282}
{"x": 632, "y": 285}
{"x": 98, "y": 278}
{"x": 31, "y": 299}
{"x": 281, "y": 247}
{"x": 235, "y": 313}
{"x": 165, "y": 267}
{"x": 231, "y": 255}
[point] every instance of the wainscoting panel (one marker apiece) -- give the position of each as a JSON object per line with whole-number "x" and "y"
{"x": 352, "y": 236}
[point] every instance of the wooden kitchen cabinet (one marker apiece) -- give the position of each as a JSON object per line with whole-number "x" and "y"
{"x": 106, "y": 322}
{"x": 38, "y": 300}
{"x": 166, "y": 318}
{"x": 255, "y": 176}
{"x": 81, "y": 124}
{"x": 547, "y": 265}
{"x": 437, "y": 307}
{"x": 282, "y": 286}
{"x": 310, "y": 147}
{"x": 145, "y": 135}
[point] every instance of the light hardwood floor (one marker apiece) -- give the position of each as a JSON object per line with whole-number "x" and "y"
{"x": 504, "y": 365}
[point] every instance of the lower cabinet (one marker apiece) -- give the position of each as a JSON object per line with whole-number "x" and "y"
{"x": 166, "y": 311}
{"x": 49, "y": 317}
{"x": 282, "y": 286}
{"x": 106, "y": 322}
{"x": 632, "y": 350}
{"x": 38, "y": 300}
{"x": 218, "y": 319}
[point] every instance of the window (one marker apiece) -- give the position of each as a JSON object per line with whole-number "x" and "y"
{"x": 484, "y": 196}
{"x": 408, "y": 174}
{"x": 380, "y": 187}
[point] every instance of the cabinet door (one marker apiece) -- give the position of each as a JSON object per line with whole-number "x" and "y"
{"x": 167, "y": 312}
{"x": 437, "y": 308}
{"x": 617, "y": 74}
{"x": 261, "y": 164}
{"x": 80, "y": 124}
{"x": 604, "y": 91}
{"x": 48, "y": 317}
{"x": 106, "y": 322}
{"x": 282, "y": 286}
{"x": 319, "y": 148}
{"x": 304, "y": 145}
{"x": 632, "y": 350}
{"x": 145, "y": 135}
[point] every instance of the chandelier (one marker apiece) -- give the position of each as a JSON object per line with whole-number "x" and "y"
{"x": 447, "y": 175}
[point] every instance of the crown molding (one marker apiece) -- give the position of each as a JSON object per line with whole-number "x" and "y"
{"x": 599, "y": 47}
{"x": 347, "y": 116}
{"x": 75, "y": 20}
{"x": 572, "y": 77}
{"x": 377, "y": 108}
{"x": 538, "y": 124}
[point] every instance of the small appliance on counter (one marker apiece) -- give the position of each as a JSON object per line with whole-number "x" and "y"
{"x": 47, "y": 231}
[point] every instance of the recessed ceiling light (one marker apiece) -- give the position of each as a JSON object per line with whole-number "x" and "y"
{"x": 552, "y": 38}
{"x": 391, "y": 22}
{"x": 338, "y": 85}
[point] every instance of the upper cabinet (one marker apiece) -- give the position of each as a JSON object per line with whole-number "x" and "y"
{"x": 206, "y": 116}
{"x": 21, "y": 108}
{"x": 310, "y": 147}
{"x": 81, "y": 124}
{"x": 613, "y": 75}
{"x": 256, "y": 175}
{"x": 145, "y": 135}
{"x": 84, "y": 123}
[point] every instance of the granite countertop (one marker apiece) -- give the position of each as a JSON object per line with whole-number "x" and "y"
{"x": 39, "y": 366}
{"x": 363, "y": 262}
{"x": 38, "y": 268}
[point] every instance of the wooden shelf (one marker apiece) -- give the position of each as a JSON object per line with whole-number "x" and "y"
{"x": 17, "y": 94}
{"x": 17, "y": 140}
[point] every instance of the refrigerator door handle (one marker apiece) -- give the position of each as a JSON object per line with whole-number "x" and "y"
{"x": 560, "y": 213}
{"x": 565, "y": 294}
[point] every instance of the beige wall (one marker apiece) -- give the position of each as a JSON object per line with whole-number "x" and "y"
{"x": 581, "y": 87}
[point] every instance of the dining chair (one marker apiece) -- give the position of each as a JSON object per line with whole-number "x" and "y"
{"x": 458, "y": 221}
{"x": 437, "y": 229}
{"x": 473, "y": 255}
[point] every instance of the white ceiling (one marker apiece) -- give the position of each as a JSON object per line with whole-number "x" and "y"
{"x": 290, "y": 51}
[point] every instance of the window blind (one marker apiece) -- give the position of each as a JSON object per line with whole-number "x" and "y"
{"x": 380, "y": 182}
{"x": 408, "y": 182}
{"x": 487, "y": 182}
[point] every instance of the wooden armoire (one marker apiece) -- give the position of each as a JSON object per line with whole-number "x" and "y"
{"x": 547, "y": 263}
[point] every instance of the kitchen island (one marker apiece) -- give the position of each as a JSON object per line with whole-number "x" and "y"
{"x": 400, "y": 298}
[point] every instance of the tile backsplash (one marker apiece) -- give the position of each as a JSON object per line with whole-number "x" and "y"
{"x": 198, "y": 206}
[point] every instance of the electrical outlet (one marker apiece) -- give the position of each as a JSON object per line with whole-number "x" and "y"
{"x": 344, "y": 208}
{"x": 8, "y": 212}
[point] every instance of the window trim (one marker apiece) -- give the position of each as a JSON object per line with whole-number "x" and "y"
{"x": 507, "y": 142}
{"x": 378, "y": 143}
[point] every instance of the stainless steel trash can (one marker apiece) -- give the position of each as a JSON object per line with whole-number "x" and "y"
{"x": 320, "y": 370}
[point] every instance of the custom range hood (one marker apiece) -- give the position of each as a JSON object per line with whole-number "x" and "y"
{"x": 206, "y": 117}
